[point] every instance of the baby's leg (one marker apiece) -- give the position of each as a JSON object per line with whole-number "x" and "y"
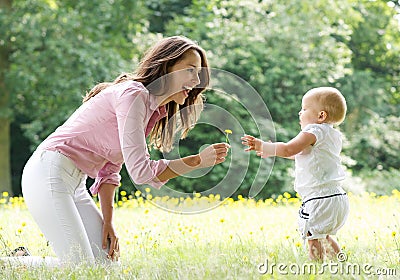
{"x": 332, "y": 247}
{"x": 315, "y": 249}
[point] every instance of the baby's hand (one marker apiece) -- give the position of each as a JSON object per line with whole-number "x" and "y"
{"x": 248, "y": 141}
{"x": 252, "y": 143}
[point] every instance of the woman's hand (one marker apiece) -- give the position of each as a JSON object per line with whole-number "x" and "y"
{"x": 213, "y": 154}
{"x": 110, "y": 238}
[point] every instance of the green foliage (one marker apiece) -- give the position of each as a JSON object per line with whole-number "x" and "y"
{"x": 381, "y": 181}
{"x": 70, "y": 46}
{"x": 162, "y": 11}
{"x": 273, "y": 47}
{"x": 60, "y": 49}
{"x": 376, "y": 144}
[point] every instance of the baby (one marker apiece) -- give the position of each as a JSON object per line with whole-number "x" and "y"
{"x": 318, "y": 171}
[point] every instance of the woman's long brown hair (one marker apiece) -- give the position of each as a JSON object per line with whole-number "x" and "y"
{"x": 155, "y": 65}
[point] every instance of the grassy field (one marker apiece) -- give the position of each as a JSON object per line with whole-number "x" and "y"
{"x": 241, "y": 239}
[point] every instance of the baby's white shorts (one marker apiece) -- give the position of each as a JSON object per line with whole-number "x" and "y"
{"x": 323, "y": 213}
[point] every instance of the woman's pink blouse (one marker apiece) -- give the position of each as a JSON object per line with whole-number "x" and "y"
{"x": 111, "y": 129}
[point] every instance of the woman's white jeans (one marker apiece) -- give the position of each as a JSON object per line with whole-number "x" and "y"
{"x": 55, "y": 194}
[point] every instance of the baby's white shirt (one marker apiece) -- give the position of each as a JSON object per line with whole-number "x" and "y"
{"x": 319, "y": 164}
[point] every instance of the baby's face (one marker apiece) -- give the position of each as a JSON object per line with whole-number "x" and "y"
{"x": 309, "y": 112}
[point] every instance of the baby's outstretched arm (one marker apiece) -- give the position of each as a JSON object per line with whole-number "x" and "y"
{"x": 280, "y": 149}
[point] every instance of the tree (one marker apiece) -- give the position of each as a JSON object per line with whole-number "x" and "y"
{"x": 373, "y": 87}
{"x": 163, "y": 11}
{"x": 57, "y": 50}
{"x": 5, "y": 112}
{"x": 281, "y": 49}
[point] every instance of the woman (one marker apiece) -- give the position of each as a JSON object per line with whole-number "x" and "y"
{"x": 107, "y": 130}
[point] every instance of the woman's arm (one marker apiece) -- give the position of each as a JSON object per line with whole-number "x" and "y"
{"x": 106, "y": 195}
{"x": 212, "y": 155}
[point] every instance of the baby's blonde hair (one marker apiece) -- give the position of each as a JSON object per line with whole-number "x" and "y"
{"x": 331, "y": 101}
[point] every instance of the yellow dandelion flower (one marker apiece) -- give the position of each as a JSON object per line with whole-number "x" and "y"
{"x": 19, "y": 230}
{"x": 287, "y": 195}
{"x": 287, "y": 236}
{"x": 138, "y": 193}
{"x": 23, "y": 224}
{"x": 298, "y": 244}
{"x": 222, "y": 220}
{"x": 227, "y": 132}
{"x": 135, "y": 236}
{"x": 147, "y": 190}
{"x": 123, "y": 193}
{"x": 393, "y": 233}
{"x": 5, "y": 194}
{"x": 146, "y": 211}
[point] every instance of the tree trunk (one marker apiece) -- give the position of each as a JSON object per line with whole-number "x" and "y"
{"x": 5, "y": 115}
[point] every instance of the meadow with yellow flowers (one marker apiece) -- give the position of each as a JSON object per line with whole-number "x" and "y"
{"x": 240, "y": 239}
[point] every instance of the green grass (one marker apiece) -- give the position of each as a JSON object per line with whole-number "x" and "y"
{"x": 228, "y": 242}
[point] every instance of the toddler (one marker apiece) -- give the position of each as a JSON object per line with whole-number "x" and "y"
{"x": 318, "y": 171}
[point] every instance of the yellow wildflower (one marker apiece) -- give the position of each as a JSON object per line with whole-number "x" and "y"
{"x": 227, "y": 132}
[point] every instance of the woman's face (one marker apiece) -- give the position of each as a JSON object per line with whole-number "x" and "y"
{"x": 183, "y": 77}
